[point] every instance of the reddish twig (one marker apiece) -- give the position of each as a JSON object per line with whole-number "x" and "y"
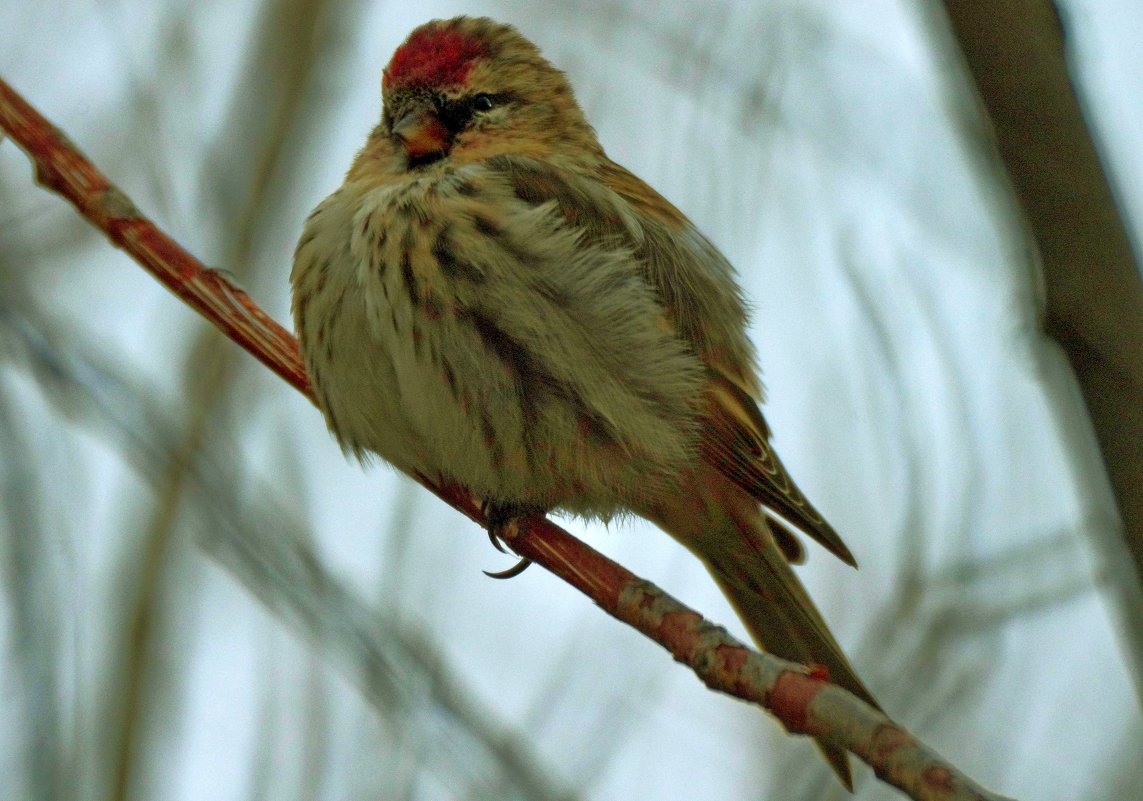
{"x": 63, "y": 169}
{"x": 801, "y": 700}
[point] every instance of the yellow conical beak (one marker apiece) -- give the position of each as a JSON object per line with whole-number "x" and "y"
{"x": 422, "y": 134}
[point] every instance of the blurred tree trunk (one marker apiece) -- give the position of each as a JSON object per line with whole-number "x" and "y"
{"x": 1015, "y": 50}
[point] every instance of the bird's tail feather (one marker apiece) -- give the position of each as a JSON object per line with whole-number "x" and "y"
{"x": 740, "y": 551}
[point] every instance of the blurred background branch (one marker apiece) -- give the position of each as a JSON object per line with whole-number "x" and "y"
{"x": 1016, "y": 51}
{"x": 254, "y": 537}
{"x": 242, "y": 167}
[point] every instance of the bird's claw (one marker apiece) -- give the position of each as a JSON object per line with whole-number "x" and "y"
{"x": 511, "y": 572}
{"x": 499, "y": 516}
{"x": 494, "y": 538}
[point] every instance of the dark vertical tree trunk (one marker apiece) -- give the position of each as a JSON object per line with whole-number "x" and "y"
{"x": 1015, "y": 50}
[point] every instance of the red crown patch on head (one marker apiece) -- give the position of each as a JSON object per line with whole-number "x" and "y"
{"x": 433, "y": 57}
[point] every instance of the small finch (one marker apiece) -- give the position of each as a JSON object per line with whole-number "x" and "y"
{"x": 489, "y": 300}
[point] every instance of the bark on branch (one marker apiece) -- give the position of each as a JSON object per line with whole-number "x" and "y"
{"x": 804, "y": 702}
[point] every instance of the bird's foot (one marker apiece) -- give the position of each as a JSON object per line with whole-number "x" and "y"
{"x": 498, "y": 516}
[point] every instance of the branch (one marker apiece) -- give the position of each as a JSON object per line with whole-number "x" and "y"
{"x": 251, "y": 533}
{"x": 801, "y": 700}
{"x": 1015, "y": 51}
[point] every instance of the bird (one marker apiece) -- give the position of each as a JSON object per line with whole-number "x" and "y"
{"x": 489, "y": 301}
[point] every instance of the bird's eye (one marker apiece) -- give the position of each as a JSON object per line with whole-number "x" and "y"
{"x": 483, "y": 103}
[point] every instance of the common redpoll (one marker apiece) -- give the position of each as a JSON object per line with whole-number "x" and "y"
{"x": 489, "y": 300}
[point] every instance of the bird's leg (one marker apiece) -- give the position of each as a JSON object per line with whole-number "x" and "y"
{"x": 498, "y": 515}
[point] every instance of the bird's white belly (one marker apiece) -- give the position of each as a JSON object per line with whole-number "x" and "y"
{"x": 376, "y": 361}
{"x": 361, "y": 393}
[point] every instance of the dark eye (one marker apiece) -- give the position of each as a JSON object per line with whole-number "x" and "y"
{"x": 483, "y": 103}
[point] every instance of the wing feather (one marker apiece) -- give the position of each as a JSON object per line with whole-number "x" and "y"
{"x": 736, "y": 440}
{"x": 703, "y": 304}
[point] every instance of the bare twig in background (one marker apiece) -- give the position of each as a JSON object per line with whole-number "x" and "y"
{"x": 1015, "y": 50}
{"x": 398, "y": 670}
{"x": 803, "y": 702}
{"x": 239, "y": 172}
{"x": 37, "y": 620}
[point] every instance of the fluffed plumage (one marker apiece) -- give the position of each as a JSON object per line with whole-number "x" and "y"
{"x": 489, "y": 300}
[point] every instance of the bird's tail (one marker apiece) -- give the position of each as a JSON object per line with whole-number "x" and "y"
{"x": 730, "y": 534}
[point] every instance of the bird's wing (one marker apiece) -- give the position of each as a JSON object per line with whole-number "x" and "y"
{"x": 738, "y": 438}
{"x": 698, "y": 288}
{"x": 737, "y": 442}
{"x": 546, "y": 322}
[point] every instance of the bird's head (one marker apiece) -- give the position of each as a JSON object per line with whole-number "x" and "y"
{"x": 468, "y": 88}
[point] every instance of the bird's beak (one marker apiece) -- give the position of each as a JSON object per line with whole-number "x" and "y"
{"x": 422, "y": 134}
